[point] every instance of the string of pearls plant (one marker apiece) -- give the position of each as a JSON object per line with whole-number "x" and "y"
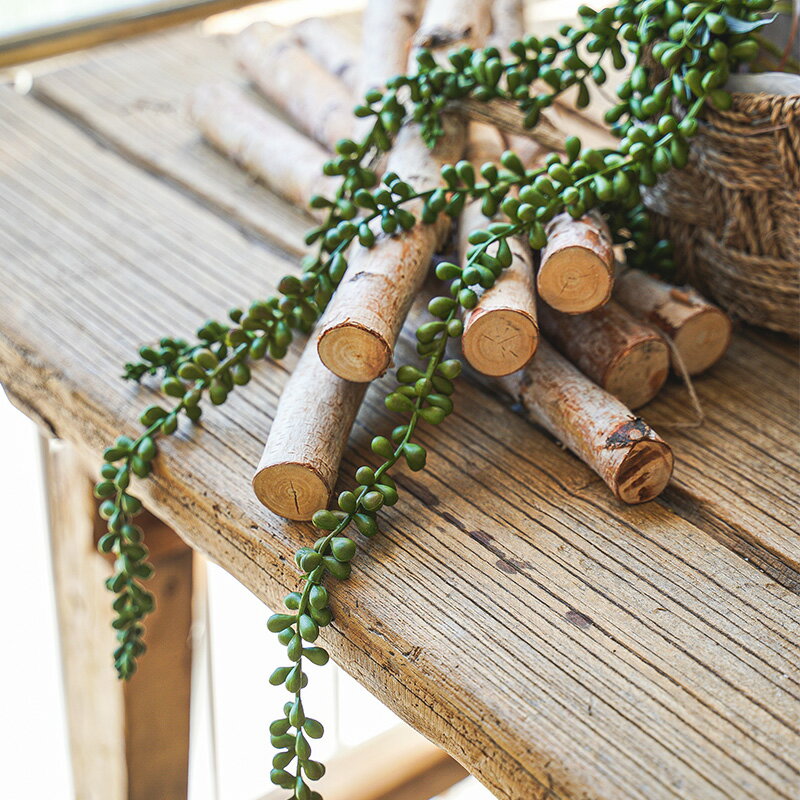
{"x": 682, "y": 54}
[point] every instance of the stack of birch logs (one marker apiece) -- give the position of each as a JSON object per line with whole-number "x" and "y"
{"x": 575, "y": 337}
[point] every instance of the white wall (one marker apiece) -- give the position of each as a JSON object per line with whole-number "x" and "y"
{"x": 35, "y": 761}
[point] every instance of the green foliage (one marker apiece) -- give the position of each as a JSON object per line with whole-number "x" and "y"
{"x": 680, "y": 54}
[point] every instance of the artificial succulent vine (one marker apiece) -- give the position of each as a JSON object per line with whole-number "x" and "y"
{"x": 682, "y": 52}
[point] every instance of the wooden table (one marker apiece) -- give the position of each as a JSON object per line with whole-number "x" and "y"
{"x": 555, "y": 642}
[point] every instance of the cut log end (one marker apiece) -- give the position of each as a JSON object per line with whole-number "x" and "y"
{"x": 703, "y": 339}
{"x": 354, "y": 352}
{"x": 700, "y": 331}
{"x": 574, "y": 281}
{"x": 637, "y": 374}
{"x": 644, "y": 472}
{"x": 291, "y": 490}
{"x": 500, "y": 342}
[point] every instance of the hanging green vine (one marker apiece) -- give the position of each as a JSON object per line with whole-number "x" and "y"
{"x": 683, "y": 53}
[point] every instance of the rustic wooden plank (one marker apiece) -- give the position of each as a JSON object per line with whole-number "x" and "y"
{"x": 133, "y": 96}
{"x": 512, "y": 611}
{"x": 128, "y": 741}
{"x": 738, "y": 474}
{"x": 751, "y": 510}
{"x": 157, "y": 701}
{"x": 92, "y": 693}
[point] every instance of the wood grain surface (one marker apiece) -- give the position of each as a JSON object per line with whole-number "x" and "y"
{"x": 556, "y": 643}
{"x": 137, "y": 102}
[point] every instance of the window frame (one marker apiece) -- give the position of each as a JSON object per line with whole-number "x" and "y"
{"x": 79, "y": 34}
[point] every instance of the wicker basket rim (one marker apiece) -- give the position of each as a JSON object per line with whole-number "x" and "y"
{"x": 790, "y": 98}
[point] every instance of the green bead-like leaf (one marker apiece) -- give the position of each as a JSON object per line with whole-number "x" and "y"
{"x": 322, "y": 616}
{"x": 537, "y": 237}
{"x": 342, "y": 547}
{"x": 347, "y": 501}
{"x": 389, "y": 494}
{"x": 301, "y": 790}
{"x": 278, "y": 622}
{"x": 302, "y": 747}
{"x": 339, "y": 569}
{"x": 441, "y": 306}
{"x": 316, "y": 655}
{"x": 367, "y": 526}
{"x": 149, "y": 416}
{"x": 455, "y": 327}
{"x": 372, "y": 501}
{"x": 104, "y": 489}
{"x": 433, "y": 415}
{"x": 308, "y": 629}
{"x": 278, "y": 676}
{"x": 279, "y": 726}
{"x": 398, "y": 403}
{"x": 206, "y": 359}
{"x": 147, "y": 448}
{"x": 415, "y": 456}
{"x": 296, "y": 716}
{"x": 311, "y": 727}
{"x": 382, "y": 447}
{"x": 172, "y": 387}
{"x": 310, "y": 561}
{"x": 450, "y": 368}
{"x": 512, "y": 162}
{"x": 281, "y": 778}
{"x": 293, "y": 681}
{"x": 365, "y": 476}
{"x": 295, "y": 648}
{"x": 282, "y": 760}
{"x": 427, "y": 332}
{"x": 446, "y": 271}
{"x": 325, "y": 520}
{"x": 314, "y": 770}
{"x": 467, "y": 298}
{"x": 131, "y": 504}
{"x": 285, "y": 636}
{"x": 318, "y": 597}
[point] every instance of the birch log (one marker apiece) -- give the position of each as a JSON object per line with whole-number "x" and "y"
{"x": 508, "y": 24}
{"x": 449, "y": 24}
{"x": 289, "y": 77}
{"x": 500, "y": 333}
{"x": 298, "y": 468}
{"x": 700, "y": 331}
{"x": 335, "y": 47}
{"x": 388, "y": 28}
{"x": 360, "y": 327}
{"x": 627, "y": 358}
{"x": 621, "y": 448}
{"x": 576, "y": 273}
{"x": 288, "y": 162}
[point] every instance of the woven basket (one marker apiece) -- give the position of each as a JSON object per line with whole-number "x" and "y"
{"x": 733, "y": 214}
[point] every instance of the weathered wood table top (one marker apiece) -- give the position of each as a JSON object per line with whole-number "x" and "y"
{"x": 555, "y": 642}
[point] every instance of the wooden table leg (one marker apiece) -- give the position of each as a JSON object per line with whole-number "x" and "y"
{"x": 128, "y": 741}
